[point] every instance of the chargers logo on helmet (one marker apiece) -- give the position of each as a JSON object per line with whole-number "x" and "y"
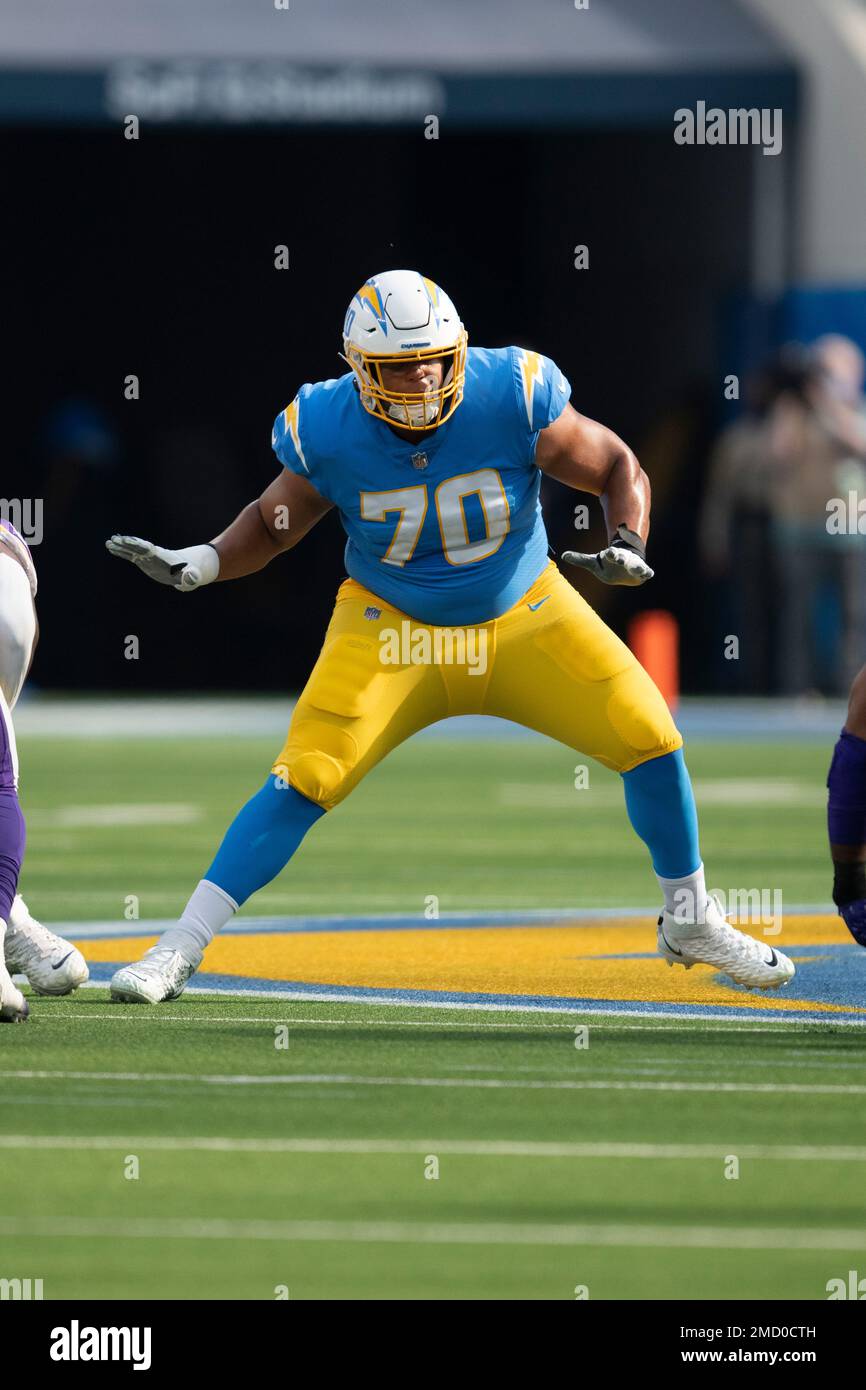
{"x": 401, "y": 316}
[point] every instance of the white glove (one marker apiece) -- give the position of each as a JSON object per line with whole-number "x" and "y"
{"x": 183, "y": 569}
{"x": 618, "y": 563}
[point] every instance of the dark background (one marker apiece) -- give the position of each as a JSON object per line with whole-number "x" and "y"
{"x": 156, "y": 257}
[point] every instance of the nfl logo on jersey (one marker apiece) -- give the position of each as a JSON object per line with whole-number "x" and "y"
{"x": 419, "y": 460}
{"x": 372, "y": 613}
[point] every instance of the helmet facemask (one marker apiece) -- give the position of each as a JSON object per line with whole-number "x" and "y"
{"x": 414, "y": 410}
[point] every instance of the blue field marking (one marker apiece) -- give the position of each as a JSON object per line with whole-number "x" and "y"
{"x": 249, "y": 987}
{"x": 269, "y": 926}
{"x": 829, "y": 988}
{"x": 282, "y": 926}
{"x": 832, "y": 974}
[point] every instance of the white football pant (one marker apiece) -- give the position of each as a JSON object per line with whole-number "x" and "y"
{"x": 17, "y": 628}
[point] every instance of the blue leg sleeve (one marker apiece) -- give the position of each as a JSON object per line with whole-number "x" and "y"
{"x": 262, "y": 839}
{"x": 661, "y": 808}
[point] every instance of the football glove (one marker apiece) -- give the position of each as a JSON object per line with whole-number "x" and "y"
{"x": 623, "y": 561}
{"x": 183, "y": 569}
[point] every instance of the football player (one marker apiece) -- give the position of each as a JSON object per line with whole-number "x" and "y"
{"x": 51, "y": 965}
{"x": 846, "y": 814}
{"x": 432, "y": 452}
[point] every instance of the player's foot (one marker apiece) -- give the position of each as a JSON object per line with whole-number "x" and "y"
{"x": 854, "y": 917}
{"x": 13, "y": 1006}
{"x": 51, "y": 964}
{"x": 161, "y": 974}
{"x": 715, "y": 942}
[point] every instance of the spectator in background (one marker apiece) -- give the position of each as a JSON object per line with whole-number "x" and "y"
{"x": 799, "y": 587}
{"x": 817, "y": 445}
{"x": 735, "y": 530}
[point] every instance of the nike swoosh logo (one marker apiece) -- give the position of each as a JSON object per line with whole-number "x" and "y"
{"x": 63, "y": 961}
{"x": 532, "y": 606}
{"x": 670, "y": 947}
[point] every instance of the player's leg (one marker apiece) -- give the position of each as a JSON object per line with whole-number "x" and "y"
{"x": 846, "y": 814}
{"x": 559, "y": 669}
{"x": 17, "y": 627}
{"x": 355, "y": 708}
{"x": 51, "y": 965}
{"x": 13, "y": 1005}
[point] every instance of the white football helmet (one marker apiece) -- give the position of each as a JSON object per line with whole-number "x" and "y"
{"x": 402, "y": 316}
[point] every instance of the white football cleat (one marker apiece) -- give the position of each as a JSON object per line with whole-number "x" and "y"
{"x": 161, "y": 974}
{"x": 52, "y": 965}
{"x": 715, "y": 942}
{"x": 13, "y": 1006}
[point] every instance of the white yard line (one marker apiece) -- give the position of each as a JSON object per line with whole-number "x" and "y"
{"x": 117, "y": 813}
{"x": 715, "y": 791}
{"x": 576, "y": 1009}
{"x": 123, "y": 1227}
{"x": 610, "y": 917}
{"x": 133, "y": 1015}
{"x": 471, "y": 1148}
{"x": 448, "y": 1082}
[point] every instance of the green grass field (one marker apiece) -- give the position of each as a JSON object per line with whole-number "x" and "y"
{"x": 263, "y": 1168}
{"x": 487, "y": 825}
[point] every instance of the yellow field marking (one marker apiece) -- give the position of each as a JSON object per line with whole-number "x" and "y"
{"x": 556, "y": 961}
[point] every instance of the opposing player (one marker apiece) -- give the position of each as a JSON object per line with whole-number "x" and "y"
{"x": 846, "y": 814}
{"x": 432, "y": 452}
{"x": 51, "y": 965}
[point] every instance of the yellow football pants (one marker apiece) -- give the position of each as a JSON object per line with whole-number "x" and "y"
{"x": 549, "y": 663}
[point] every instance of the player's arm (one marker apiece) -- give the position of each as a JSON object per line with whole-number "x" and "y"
{"x": 588, "y": 456}
{"x": 276, "y": 521}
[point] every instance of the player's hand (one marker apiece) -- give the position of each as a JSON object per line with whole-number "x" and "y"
{"x": 186, "y": 569}
{"x": 621, "y": 562}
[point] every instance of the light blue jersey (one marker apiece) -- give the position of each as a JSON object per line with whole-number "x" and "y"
{"x": 448, "y": 530}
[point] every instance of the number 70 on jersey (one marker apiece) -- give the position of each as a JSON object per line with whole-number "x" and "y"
{"x": 410, "y": 504}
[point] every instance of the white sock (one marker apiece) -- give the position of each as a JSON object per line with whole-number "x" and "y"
{"x": 686, "y": 898}
{"x": 18, "y": 914}
{"x": 207, "y": 911}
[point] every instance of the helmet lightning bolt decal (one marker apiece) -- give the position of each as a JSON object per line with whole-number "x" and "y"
{"x": 432, "y": 291}
{"x": 369, "y": 294}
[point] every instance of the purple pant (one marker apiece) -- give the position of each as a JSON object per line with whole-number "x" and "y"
{"x": 13, "y": 832}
